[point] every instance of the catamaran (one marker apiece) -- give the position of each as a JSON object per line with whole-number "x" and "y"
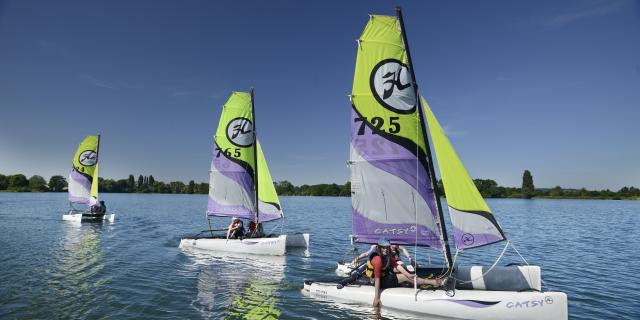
{"x": 240, "y": 185}
{"x": 83, "y": 184}
{"x": 393, "y": 197}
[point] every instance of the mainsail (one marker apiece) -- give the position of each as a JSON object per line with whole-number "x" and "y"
{"x": 391, "y": 189}
{"x": 83, "y": 178}
{"x": 232, "y": 190}
{"x": 473, "y": 223}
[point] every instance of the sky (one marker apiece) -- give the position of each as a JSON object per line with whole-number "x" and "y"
{"x": 552, "y": 87}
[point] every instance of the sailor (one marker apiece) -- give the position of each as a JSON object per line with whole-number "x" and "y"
{"x": 101, "y": 209}
{"x": 394, "y": 248}
{"x": 255, "y": 230}
{"x": 381, "y": 267}
{"x": 236, "y": 229}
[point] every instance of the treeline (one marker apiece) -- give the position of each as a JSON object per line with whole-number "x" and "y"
{"x": 490, "y": 189}
{"x": 144, "y": 184}
{"x": 147, "y": 184}
{"x": 286, "y": 188}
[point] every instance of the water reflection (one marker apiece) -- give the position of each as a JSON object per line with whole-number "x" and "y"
{"x": 238, "y": 286}
{"x": 75, "y": 277}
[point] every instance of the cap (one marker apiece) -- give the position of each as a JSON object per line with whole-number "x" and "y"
{"x": 383, "y": 242}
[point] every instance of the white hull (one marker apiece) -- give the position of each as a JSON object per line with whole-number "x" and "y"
{"x": 268, "y": 246}
{"x": 344, "y": 269}
{"x": 463, "y": 304}
{"x": 298, "y": 240}
{"x": 78, "y": 217}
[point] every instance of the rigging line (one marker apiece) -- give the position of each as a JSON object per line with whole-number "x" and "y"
{"x": 525, "y": 261}
{"x": 415, "y": 211}
{"x": 490, "y": 268}
{"x": 274, "y": 228}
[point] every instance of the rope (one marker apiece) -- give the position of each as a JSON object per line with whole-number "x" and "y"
{"x": 525, "y": 261}
{"x": 274, "y": 228}
{"x": 415, "y": 204}
{"x": 490, "y": 268}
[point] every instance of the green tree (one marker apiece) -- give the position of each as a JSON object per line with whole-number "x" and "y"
{"x": 203, "y": 188}
{"x": 345, "y": 189}
{"x": 57, "y": 183}
{"x": 176, "y": 187}
{"x": 151, "y": 180}
{"x": 527, "y": 185}
{"x": 3, "y": 182}
{"x": 556, "y": 192}
{"x": 18, "y": 182}
{"x": 191, "y": 188}
{"x": 140, "y": 183}
{"x": 37, "y": 183}
{"x": 131, "y": 184}
{"x": 284, "y": 188}
{"x": 487, "y": 187}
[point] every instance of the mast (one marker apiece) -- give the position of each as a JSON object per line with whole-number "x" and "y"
{"x": 255, "y": 154}
{"x": 97, "y": 162}
{"x": 426, "y": 140}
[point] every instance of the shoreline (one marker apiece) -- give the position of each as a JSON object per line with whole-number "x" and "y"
{"x": 332, "y": 196}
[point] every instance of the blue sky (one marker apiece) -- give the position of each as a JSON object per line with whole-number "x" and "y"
{"x": 548, "y": 86}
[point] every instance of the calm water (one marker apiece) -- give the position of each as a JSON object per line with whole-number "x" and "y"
{"x": 134, "y": 269}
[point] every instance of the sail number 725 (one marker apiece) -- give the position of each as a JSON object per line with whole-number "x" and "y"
{"x": 377, "y": 123}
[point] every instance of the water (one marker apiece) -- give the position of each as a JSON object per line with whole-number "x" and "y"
{"x": 134, "y": 269}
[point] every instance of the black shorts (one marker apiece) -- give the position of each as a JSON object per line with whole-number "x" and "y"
{"x": 389, "y": 281}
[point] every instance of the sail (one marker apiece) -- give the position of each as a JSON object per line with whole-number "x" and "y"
{"x": 268, "y": 203}
{"x": 473, "y": 223}
{"x": 83, "y": 179}
{"x": 391, "y": 191}
{"x": 231, "y": 189}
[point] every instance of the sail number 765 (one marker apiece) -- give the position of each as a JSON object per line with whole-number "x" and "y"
{"x": 378, "y": 123}
{"x": 227, "y": 152}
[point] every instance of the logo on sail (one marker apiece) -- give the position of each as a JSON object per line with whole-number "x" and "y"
{"x": 467, "y": 239}
{"x": 88, "y": 158}
{"x": 391, "y": 84}
{"x": 240, "y": 132}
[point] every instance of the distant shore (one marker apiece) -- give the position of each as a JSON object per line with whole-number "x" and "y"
{"x": 147, "y": 184}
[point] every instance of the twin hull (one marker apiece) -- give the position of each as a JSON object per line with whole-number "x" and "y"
{"x": 80, "y": 217}
{"x": 267, "y": 246}
{"x": 460, "y": 304}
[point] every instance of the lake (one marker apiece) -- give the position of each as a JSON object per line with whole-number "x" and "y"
{"x": 133, "y": 268}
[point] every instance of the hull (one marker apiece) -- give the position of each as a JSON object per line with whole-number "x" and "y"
{"x": 297, "y": 240}
{"x": 344, "y": 269}
{"x": 74, "y": 216}
{"x": 458, "y": 304}
{"x": 267, "y": 246}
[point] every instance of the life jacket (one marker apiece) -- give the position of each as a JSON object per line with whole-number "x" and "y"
{"x": 369, "y": 269}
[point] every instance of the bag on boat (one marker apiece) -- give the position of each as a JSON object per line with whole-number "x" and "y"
{"x": 511, "y": 278}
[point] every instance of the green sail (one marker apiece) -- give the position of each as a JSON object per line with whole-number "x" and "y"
{"x": 232, "y": 191}
{"x": 94, "y": 184}
{"x": 269, "y": 205}
{"x": 391, "y": 191}
{"x": 235, "y": 135}
{"x": 473, "y": 223}
{"x": 83, "y": 179}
